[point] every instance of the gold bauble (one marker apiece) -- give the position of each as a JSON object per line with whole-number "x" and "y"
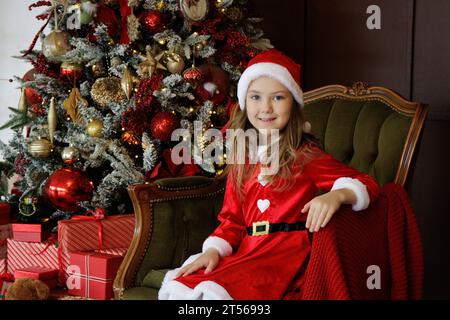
{"x": 107, "y": 90}
{"x": 175, "y": 63}
{"x": 70, "y": 155}
{"x": 40, "y": 148}
{"x": 52, "y": 119}
{"x": 95, "y": 128}
{"x": 98, "y": 69}
{"x": 160, "y": 5}
{"x": 198, "y": 47}
{"x": 56, "y": 44}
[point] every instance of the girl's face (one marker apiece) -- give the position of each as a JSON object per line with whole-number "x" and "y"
{"x": 268, "y": 104}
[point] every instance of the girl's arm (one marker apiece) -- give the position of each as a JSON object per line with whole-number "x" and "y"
{"x": 346, "y": 186}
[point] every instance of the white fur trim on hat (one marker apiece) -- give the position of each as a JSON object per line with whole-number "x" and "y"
{"x": 271, "y": 70}
{"x": 360, "y": 190}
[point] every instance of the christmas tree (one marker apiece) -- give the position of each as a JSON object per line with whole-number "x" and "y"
{"x": 112, "y": 81}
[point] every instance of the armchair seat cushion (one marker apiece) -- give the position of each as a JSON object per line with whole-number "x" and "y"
{"x": 154, "y": 278}
{"x": 140, "y": 293}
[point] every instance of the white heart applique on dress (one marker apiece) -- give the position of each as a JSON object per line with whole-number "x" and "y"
{"x": 263, "y": 205}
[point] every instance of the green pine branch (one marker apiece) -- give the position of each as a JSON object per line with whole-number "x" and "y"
{"x": 18, "y": 120}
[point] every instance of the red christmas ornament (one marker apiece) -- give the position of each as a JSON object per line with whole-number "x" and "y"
{"x": 65, "y": 187}
{"x": 152, "y": 21}
{"x": 32, "y": 96}
{"x": 71, "y": 71}
{"x": 163, "y": 124}
{"x": 193, "y": 75}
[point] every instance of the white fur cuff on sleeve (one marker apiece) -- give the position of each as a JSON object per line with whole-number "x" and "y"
{"x": 218, "y": 243}
{"x": 360, "y": 190}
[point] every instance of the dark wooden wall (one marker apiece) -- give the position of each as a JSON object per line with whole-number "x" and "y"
{"x": 411, "y": 55}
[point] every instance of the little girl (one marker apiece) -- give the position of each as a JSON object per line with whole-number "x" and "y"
{"x": 261, "y": 248}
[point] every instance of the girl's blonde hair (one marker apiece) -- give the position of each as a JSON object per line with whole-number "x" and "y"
{"x": 295, "y": 147}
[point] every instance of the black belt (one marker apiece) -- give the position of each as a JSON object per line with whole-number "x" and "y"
{"x": 261, "y": 228}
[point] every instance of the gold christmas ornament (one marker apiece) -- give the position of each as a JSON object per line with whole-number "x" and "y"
{"x": 127, "y": 83}
{"x": 160, "y": 5}
{"x": 151, "y": 63}
{"x": 174, "y": 63}
{"x": 70, "y": 155}
{"x": 130, "y": 138}
{"x": 56, "y": 44}
{"x": 71, "y": 105}
{"x": 98, "y": 69}
{"x": 23, "y": 104}
{"x": 52, "y": 119}
{"x": 107, "y": 90}
{"x": 95, "y": 128}
{"x": 194, "y": 10}
{"x": 199, "y": 46}
{"x": 40, "y": 148}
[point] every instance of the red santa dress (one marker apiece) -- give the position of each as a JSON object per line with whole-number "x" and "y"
{"x": 264, "y": 267}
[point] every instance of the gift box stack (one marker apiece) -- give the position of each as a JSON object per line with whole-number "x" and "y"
{"x": 85, "y": 256}
{"x": 6, "y": 279}
{"x": 91, "y": 251}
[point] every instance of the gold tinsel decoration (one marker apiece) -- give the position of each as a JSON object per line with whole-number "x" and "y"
{"x": 52, "y": 119}
{"x": 71, "y": 105}
{"x": 107, "y": 90}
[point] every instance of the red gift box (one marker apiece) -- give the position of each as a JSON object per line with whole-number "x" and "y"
{"x": 5, "y": 233}
{"x": 91, "y": 274}
{"x": 114, "y": 251}
{"x": 4, "y": 212}
{"x": 89, "y": 234}
{"x": 47, "y": 275}
{"x": 28, "y": 232}
{"x": 3, "y": 266}
{"x": 22, "y": 254}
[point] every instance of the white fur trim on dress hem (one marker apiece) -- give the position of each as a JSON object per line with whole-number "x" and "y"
{"x": 218, "y": 243}
{"x": 205, "y": 290}
{"x": 360, "y": 190}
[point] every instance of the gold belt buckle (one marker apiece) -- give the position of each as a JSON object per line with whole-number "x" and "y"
{"x": 259, "y": 224}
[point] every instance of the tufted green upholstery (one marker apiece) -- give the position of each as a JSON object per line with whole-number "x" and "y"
{"x": 367, "y": 135}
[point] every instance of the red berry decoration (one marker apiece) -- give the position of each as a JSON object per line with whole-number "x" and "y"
{"x": 152, "y": 21}
{"x": 163, "y": 124}
{"x": 65, "y": 187}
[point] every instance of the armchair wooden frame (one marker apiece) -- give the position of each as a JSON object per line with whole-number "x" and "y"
{"x": 361, "y": 92}
{"x": 145, "y": 196}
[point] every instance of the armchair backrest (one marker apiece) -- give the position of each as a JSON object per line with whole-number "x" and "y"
{"x": 372, "y": 129}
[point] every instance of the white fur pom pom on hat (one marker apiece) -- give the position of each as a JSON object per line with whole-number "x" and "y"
{"x": 274, "y": 64}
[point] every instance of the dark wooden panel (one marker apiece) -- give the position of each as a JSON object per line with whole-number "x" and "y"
{"x": 341, "y": 49}
{"x": 429, "y": 192}
{"x": 284, "y": 25}
{"x": 431, "y": 73}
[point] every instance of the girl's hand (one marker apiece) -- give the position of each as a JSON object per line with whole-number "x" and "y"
{"x": 322, "y": 208}
{"x": 209, "y": 260}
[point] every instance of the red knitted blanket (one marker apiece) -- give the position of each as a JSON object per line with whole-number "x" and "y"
{"x": 372, "y": 254}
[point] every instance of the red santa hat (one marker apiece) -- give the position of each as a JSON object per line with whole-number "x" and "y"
{"x": 274, "y": 64}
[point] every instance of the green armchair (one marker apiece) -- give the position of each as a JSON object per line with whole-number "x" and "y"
{"x": 369, "y": 128}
